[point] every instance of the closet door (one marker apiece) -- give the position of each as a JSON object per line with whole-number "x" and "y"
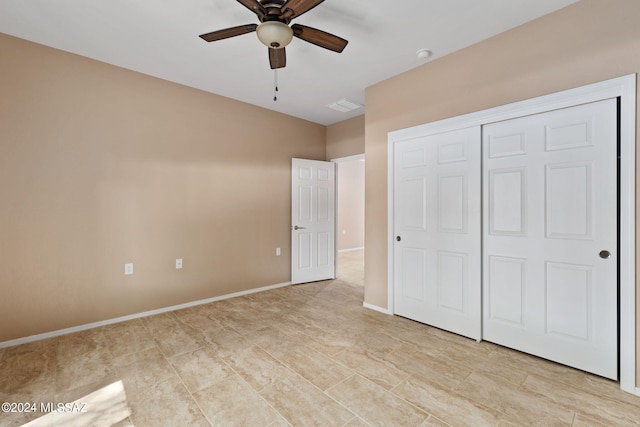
{"x": 550, "y": 284}
{"x": 437, "y": 255}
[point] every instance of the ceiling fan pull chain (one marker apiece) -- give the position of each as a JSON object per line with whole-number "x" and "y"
{"x": 275, "y": 85}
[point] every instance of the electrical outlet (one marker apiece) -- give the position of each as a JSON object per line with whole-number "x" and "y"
{"x": 178, "y": 263}
{"x": 278, "y": 252}
{"x": 128, "y": 269}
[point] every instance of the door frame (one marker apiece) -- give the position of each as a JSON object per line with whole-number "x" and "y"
{"x": 337, "y": 161}
{"x": 623, "y": 88}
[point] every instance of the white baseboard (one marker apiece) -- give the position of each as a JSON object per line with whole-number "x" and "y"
{"x": 376, "y": 308}
{"x": 87, "y": 326}
{"x": 351, "y": 249}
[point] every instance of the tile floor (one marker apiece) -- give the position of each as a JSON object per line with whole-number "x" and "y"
{"x": 306, "y": 355}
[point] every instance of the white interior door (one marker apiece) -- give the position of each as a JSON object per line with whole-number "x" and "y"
{"x": 550, "y": 236}
{"x": 437, "y": 226}
{"x": 312, "y": 220}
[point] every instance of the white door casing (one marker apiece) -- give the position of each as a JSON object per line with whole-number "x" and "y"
{"x": 437, "y": 229}
{"x": 312, "y": 220}
{"x": 549, "y": 209}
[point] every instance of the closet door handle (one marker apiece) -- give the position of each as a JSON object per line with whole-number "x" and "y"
{"x": 605, "y": 254}
{"x": 398, "y": 238}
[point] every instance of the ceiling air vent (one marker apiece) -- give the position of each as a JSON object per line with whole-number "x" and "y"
{"x": 345, "y": 105}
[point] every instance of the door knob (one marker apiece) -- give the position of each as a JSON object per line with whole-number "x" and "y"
{"x": 605, "y": 254}
{"x": 298, "y": 228}
{"x": 398, "y": 238}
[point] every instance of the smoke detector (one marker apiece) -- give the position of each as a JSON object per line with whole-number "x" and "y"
{"x": 423, "y": 53}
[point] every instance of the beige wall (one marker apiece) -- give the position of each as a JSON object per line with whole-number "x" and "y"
{"x": 345, "y": 138}
{"x": 100, "y": 166}
{"x": 587, "y": 42}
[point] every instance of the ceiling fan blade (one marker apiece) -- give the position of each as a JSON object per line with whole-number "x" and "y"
{"x": 295, "y": 8}
{"x": 277, "y": 58}
{"x": 229, "y": 32}
{"x": 319, "y": 38}
{"x": 254, "y": 6}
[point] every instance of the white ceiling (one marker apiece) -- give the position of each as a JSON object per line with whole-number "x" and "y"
{"x": 160, "y": 38}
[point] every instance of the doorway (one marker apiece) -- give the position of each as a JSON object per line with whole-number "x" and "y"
{"x": 350, "y": 219}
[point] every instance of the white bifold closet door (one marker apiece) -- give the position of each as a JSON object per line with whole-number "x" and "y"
{"x": 437, "y": 230}
{"x": 550, "y": 284}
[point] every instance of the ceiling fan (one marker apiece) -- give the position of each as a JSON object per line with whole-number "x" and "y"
{"x": 274, "y": 30}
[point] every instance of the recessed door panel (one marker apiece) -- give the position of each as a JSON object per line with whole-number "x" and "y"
{"x": 452, "y": 278}
{"x": 324, "y": 204}
{"x": 413, "y": 273}
{"x": 449, "y": 152}
{"x": 452, "y": 204}
{"x": 305, "y": 202}
{"x": 506, "y": 289}
{"x": 305, "y": 251}
{"x": 563, "y": 136}
{"x": 413, "y": 195}
{"x": 305, "y": 173}
{"x": 324, "y": 174}
{"x": 414, "y": 158}
{"x": 324, "y": 249}
{"x": 568, "y": 300}
{"x": 507, "y": 202}
{"x": 569, "y": 201}
{"x": 506, "y": 145}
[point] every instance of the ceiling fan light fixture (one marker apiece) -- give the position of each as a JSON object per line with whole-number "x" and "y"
{"x": 274, "y": 34}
